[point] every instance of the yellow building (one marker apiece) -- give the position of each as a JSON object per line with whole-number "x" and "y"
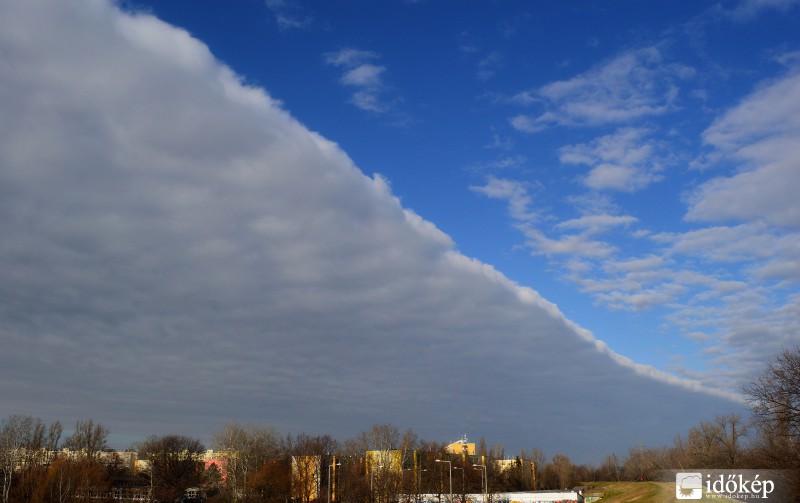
{"x": 461, "y": 446}
{"x": 389, "y": 460}
{"x": 306, "y": 477}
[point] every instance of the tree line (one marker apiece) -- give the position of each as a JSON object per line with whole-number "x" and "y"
{"x": 262, "y": 465}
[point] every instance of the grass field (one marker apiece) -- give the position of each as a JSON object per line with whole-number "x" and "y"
{"x": 619, "y": 492}
{"x": 623, "y": 492}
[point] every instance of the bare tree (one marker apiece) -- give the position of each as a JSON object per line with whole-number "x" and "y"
{"x": 385, "y": 460}
{"x": 703, "y": 445}
{"x": 537, "y": 458}
{"x": 62, "y": 481}
{"x": 641, "y": 463}
{"x": 774, "y": 398}
{"x": 731, "y": 429}
{"x": 409, "y": 482}
{"x": 175, "y": 464}
{"x": 497, "y": 451}
{"x": 611, "y": 469}
{"x": 482, "y": 451}
{"x": 53, "y": 438}
{"x": 775, "y": 395}
{"x": 564, "y": 471}
{"x": 70, "y": 480}
{"x": 25, "y": 443}
{"x": 409, "y": 442}
{"x": 246, "y": 448}
{"x": 14, "y": 436}
{"x": 89, "y": 438}
{"x": 306, "y": 473}
{"x": 273, "y": 481}
{"x": 383, "y": 437}
{"x": 352, "y": 483}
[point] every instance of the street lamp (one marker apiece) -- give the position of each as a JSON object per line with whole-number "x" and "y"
{"x": 330, "y": 484}
{"x": 403, "y": 483}
{"x": 450, "y": 466}
{"x": 485, "y": 481}
{"x": 419, "y": 482}
{"x": 463, "y": 480}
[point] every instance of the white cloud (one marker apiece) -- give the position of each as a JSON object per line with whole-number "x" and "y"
{"x": 762, "y": 136}
{"x": 630, "y": 284}
{"x": 615, "y": 177}
{"x": 489, "y": 64}
{"x": 734, "y": 258}
{"x": 723, "y": 244}
{"x": 170, "y": 230}
{"x": 641, "y": 299}
{"x": 769, "y": 112}
{"x": 738, "y": 260}
{"x": 528, "y": 221}
{"x": 714, "y": 281}
{"x": 748, "y": 9}
{"x": 636, "y": 264}
{"x": 622, "y": 161}
{"x": 783, "y": 266}
{"x": 366, "y": 77}
{"x": 149, "y": 34}
{"x": 578, "y": 245}
{"x": 289, "y": 15}
{"x": 349, "y": 57}
{"x": 502, "y": 163}
{"x": 634, "y": 84}
{"x": 513, "y": 191}
{"x": 526, "y": 124}
{"x": 596, "y": 223}
{"x": 499, "y": 143}
{"x": 625, "y": 146}
{"x": 524, "y": 98}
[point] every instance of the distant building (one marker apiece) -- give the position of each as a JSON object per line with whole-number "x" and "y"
{"x": 524, "y": 467}
{"x": 461, "y": 446}
{"x": 542, "y": 497}
{"x": 389, "y": 460}
{"x": 306, "y": 477}
{"x": 217, "y": 461}
{"x": 126, "y": 459}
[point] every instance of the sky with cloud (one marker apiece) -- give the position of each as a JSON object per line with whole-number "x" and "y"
{"x": 572, "y": 227}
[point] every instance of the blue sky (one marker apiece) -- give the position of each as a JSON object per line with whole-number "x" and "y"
{"x": 593, "y": 118}
{"x": 570, "y": 226}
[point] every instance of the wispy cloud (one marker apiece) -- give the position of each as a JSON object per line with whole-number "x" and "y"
{"x": 623, "y": 161}
{"x": 632, "y": 85}
{"x": 737, "y": 260}
{"x": 596, "y": 223}
{"x": 489, "y": 64}
{"x": 289, "y": 14}
{"x": 364, "y": 76}
{"x": 573, "y": 245}
{"x": 712, "y": 281}
{"x": 521, "y": 209}
{"x": 499, "y": 142}
{"x": 761, "y": 136}
{"x": 512, "y": 191}
{"x": 745, "y": 10}
{"x": 501, "y": 163}
{"x": 488, "y": 61}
